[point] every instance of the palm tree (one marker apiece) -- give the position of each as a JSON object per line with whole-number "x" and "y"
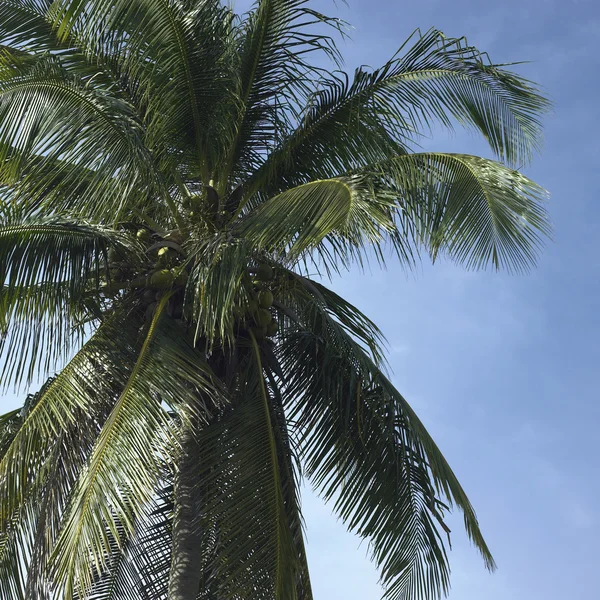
{"x": 171, "y": 174}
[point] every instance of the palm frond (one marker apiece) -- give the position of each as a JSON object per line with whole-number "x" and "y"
{"x": 215, "y": 286}
{"x": 9, "y": 425}
{"x": 56, "y": 427}
{"x": 307, "y": 300}
{"x": 50, "y": 114}
{"x": 477, "y": 211}
{"x": 172, "y": 68}
{"x": 44, "y": 489}
{"x": 12, "y": 575}
{"x": 366, "y": 451}
{"x": 277, "y": 38}
{"x": 138, "y": 568}
{"x": 23, "y": 25}
{"x": 436, "y": 80}
{"x": 338, "y": 221}
{"x": 138, "y": 439}
{"x": 48, "y": 268}
{"x": 250, "y": 499}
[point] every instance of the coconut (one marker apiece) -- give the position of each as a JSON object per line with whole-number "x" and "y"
{"x": 264, "y": 272}
{"x": 116, "y": 274}
{"x": 174, "y": 236}
{"x": 272, "y": 328}
{"x": 111, "y": 289}
{"x": 113, "y": 255}
{"x": 265, "y": 299}
{"x": 148, "y": 296}
{"x": 163, "y": 255}
{"x": 150, "y": 311}
{"x": 143, "y": 235}
{"x": 181, "y": 278}
{"x": 162, "y": 279}
{"x": 263, "y": 317}
{"x": 252, "y": 306}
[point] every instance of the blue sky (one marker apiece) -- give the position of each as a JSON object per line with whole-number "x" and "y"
{"x": 502, "y": 369}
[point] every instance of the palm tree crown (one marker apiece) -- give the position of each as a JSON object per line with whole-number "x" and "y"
{"x": 170, "y": 175}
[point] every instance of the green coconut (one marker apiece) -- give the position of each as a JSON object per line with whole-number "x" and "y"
{"x": 263, "y": 317}
{"x": 148, "y": 297}
{"x": 264, "y": 272}
{"x": 272, "y": 328}
{"x": 117, "y": 274}
{"x": 110, "y": 289}
{"x": 181, "y": 278}
{"x": 252, "y": 306}
{"x": 162, "y": 279}
{"x": 164, "y": 255}
{"x": 265, "y": 299}
{"x": 143, "y": 235}
{"x": 174, "y": 236}
{"x": 113, "y": 255}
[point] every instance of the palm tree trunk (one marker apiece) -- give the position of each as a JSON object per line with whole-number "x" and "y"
{"x": 186, "y": 563}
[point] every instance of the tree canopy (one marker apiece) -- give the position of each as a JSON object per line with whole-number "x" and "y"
{"x": 172, "y": 176}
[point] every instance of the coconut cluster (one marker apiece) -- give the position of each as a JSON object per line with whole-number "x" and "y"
{"x": 256, "y": 314}
{"x": 165, "y": 271}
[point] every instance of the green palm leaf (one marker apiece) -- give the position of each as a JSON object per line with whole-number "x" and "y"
{"x": 48, "y": 268}
{"x": 476, "y": 210}
{"x": 367, "y": 452}
{"x": 139, "y": 430}
{"x": 139, "y": 564}
{"x": 82, "y": 388}
{"x": 40, "y": 97}
{"x": 274, "y": 70}
{"x": 251, "y": 500}
{"x": 437, "y": 80}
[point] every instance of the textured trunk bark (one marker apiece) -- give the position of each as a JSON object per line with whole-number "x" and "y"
{"x": 186, "y": 571}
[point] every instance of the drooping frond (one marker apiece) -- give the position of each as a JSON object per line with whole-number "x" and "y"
{"x": 12, "y": 576}
{"x": 138, "y": 439}
{"x": 303, "y": 295}
{"x": 250, "y": 496}
{"x": 366, "y": 450}
{"x": 216, "y": 284}
{"x": 138, "y": 568}
{"x": 436, "y": 80}
{"x": 49, "y": 276}
{"x": 9, "y": 425}
{"x": 477, "y": 211}
{"x": 58, "y": 427}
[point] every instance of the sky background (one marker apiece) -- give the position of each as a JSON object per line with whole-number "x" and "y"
{"x": 502, "y": 369}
